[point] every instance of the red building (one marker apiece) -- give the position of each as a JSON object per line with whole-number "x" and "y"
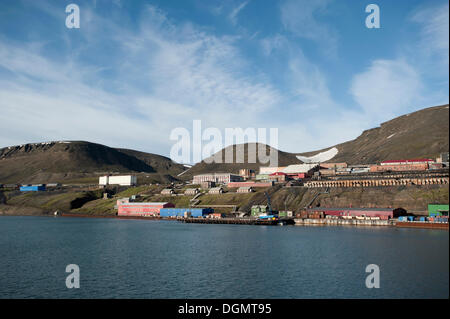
{"x": 141, "y": 209}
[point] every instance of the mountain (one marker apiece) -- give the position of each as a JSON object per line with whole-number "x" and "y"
{"x": 208, "y": 165}
{"x": 63, "y": 161}
{"x": 421, "y": 134}
{"x": 416, "y": 135}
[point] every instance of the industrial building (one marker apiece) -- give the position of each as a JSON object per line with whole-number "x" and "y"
{"x": 382, "y": 213}
{"x": 278, "y": 177}
{"x": 222, "y": 178}
{"x": 249, "y": 184}
{"x": 207, "y": 184}
{"x": 246, "y": 173}
{"x": 258, "y": 210}
{"x": 333, "y": 165}
{"x": 435, "y": 210}
{"x": 141, "y": 208}
{"x": 296, "y": 171}
{"x": 185, "y": 212}
{"x": 267, "y": 170}
{"x": 125, "y": 180}
{"x": 32, "y": 188}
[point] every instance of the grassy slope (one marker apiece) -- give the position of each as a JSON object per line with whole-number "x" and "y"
{"x": 412, "y": 198}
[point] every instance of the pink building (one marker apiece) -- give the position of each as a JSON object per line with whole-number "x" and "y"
{"x": 383, "y": 213}
{"x": 141, "y": 209}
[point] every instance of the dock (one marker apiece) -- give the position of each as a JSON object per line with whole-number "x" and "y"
{"x": 427, "y": 225}
{"x": 240, "y": 221}
{"x": 342, "y": 222}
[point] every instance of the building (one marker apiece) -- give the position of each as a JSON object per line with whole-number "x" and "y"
{"x": 408, "y": 162}
{"x": 32, "y": 188}
{"x": 258, "y": 210}
{"x": 222, "y": 178}
{"x": 216, "y": 190}
{"x": 399, "y": 167}
{"x": 207, "y": 184}
{"x": 249, "y": 184}
{"x": 191, "y": 191}
{"x": 267, "y": 170}
{"x": 443, "y": 158}
{"x": 296, "y": 169}
{"x": 181, "y": 212}
{"x": 245, "y": 189}
{"x": 124, "y": 180}
{"x": 435, "y": 210}
{"x": 141, "y": 209}
{"x": 167, "y": 191}
{"x": 216, "y": 215}
{"x": 246, "y": 173}
{"x": 382, "y": 213}
{"x": 278, "y": 177}
{"x": 333, "y": 165}
{"x": 262, "y": 177}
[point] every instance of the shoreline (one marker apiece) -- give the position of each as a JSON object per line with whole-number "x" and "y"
{"x": 247, "y": 221}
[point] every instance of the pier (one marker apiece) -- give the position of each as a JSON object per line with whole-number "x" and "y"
{"x": 342, "y": 222}
{"x": 240, "y": 221}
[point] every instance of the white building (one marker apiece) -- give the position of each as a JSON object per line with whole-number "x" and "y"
{"x": 124, "y": 180}
{"x": 224, "y": 178}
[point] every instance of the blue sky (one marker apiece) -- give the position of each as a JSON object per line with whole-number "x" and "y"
{"x": 135, "y": 70}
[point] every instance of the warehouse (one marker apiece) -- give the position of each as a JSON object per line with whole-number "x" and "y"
{"x": 435, "y": 210}
{"x": 382, "y": 213}
{"x": 249, "y": 184}
{"x": 267, "y": 170}
{"x": 217, "y": 178}
{"x": 181, "y": 212}
{"x": 141, "y": 209}
{"x": 125, "y": 180}
{"x": 258, "y": 210}
{"x": 300, "y": 170}
{"x": 278, "y": 177}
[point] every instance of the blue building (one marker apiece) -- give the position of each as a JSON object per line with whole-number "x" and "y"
{"x": 179, "y": 212}
{"x": 32, "y": 188}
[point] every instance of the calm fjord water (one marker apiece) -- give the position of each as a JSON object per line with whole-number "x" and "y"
{"x": 164, "y": 259}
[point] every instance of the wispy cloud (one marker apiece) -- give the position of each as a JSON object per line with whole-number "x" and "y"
{"x": 301, "y": 17}
{"x": 434, "y": 36}
{"x": 234, "y": 13}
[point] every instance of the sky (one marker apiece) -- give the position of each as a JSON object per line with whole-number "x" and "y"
{"x": 136, "y": 70}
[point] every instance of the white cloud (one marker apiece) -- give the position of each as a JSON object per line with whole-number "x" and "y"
{"x": 168, "y": 75}
{"x": 386, "y": 88}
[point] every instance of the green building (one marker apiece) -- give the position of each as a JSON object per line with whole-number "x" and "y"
{"x": 262, "y": 177}
{"x": 437, "y": 210}
{"x": 259, "y": 210}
